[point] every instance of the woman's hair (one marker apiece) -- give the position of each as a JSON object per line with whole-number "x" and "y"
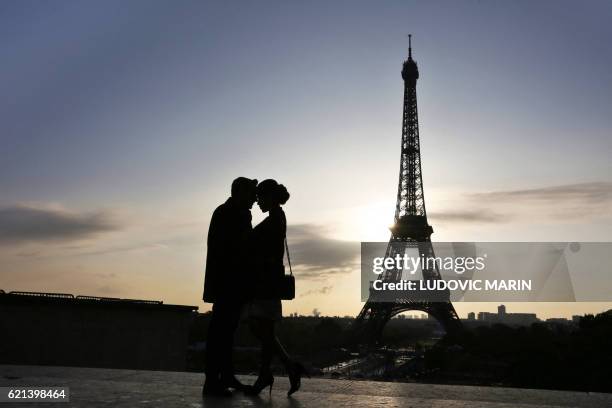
{"x": 270, "y": 188}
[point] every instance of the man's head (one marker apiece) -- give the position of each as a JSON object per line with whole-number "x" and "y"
{"x": 244, "y": 191}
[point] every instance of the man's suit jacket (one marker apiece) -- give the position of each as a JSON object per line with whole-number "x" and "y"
{"x": 228, "y": 255}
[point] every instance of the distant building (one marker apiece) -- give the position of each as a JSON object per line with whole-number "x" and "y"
{"x": 471, "y": 316}
{"x": 519, "y": 319}
{"x": 512, "y": 319}
{"x": 61, "y": 329}
{"x": 487, "y": 317}
{"x": 558, "y": 320}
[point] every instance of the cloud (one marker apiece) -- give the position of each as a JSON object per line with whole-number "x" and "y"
{"x": 107, "y": 290}
{"x": 25, "y": 223}
{"x": 315, "y": 256}
{"x": 560, "y": 202}
{"x": 138, "y": 246}
{"x": 594, "y": 192}
{"x": 323, "y": 291}
{"x": 483, "y": 216}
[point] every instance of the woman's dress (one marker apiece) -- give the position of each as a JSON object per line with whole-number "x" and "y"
{"x": 269, "y": 246}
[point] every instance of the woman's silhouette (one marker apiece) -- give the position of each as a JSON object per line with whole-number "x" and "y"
{"x": 265, "y": 310}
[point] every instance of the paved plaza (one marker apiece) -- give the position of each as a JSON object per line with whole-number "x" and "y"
{"x": 94, "y": 387}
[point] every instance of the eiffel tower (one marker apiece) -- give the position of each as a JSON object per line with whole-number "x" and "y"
{"x": 410, "y": 229}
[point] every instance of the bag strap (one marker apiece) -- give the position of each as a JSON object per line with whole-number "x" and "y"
{"x": 288, "y": 257}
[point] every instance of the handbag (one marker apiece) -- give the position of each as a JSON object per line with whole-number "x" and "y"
{"x": 286, "y": 287}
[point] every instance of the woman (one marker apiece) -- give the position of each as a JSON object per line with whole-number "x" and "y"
{"x": 265, "y": 310}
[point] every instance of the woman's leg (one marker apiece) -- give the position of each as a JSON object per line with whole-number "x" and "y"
{"x": 280, "y": 350}
{"x": 261, "y": 329}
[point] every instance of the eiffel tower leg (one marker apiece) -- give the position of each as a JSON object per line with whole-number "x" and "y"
{"x": 369, "y": 325}
{"x": 445, "y": 313}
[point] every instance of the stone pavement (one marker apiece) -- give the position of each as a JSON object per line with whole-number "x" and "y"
{"x": 94, "y": 387}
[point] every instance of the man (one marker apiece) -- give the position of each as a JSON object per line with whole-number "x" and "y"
{"x": 225, "y": 283}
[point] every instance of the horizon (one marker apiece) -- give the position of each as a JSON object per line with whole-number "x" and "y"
{"x": 409, "y": 314}
{"x": 122, "y": 130}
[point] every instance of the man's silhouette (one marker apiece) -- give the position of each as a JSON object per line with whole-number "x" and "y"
{"x": 225, "y": 282}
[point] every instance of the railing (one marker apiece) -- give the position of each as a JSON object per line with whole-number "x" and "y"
{"x": 148, "y": 302}
{"x": 43, "y": 294}
{"x": 109, "y": 299}
{"x": 82, "y": 297}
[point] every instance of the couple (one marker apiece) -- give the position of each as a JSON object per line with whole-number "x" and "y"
{"x": 241, "y": 262}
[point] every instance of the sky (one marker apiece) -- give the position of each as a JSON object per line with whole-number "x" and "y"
{"x": 123, "y": 123}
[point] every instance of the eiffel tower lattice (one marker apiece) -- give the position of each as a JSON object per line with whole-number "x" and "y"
{"x": 410, "y": 229}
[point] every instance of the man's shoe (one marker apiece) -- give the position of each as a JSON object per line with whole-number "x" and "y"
{"x": 234, "y": 383}
{"x": 215, "y": 390}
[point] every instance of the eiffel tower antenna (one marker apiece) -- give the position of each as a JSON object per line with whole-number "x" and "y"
{"x": 410, "y": 46}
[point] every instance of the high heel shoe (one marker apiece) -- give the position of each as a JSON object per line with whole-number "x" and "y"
{"x": 295, "y": 377}
{"x": 263, "y": 381}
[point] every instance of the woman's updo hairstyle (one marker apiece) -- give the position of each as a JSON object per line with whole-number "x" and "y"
{"x": 270, "y": 188}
